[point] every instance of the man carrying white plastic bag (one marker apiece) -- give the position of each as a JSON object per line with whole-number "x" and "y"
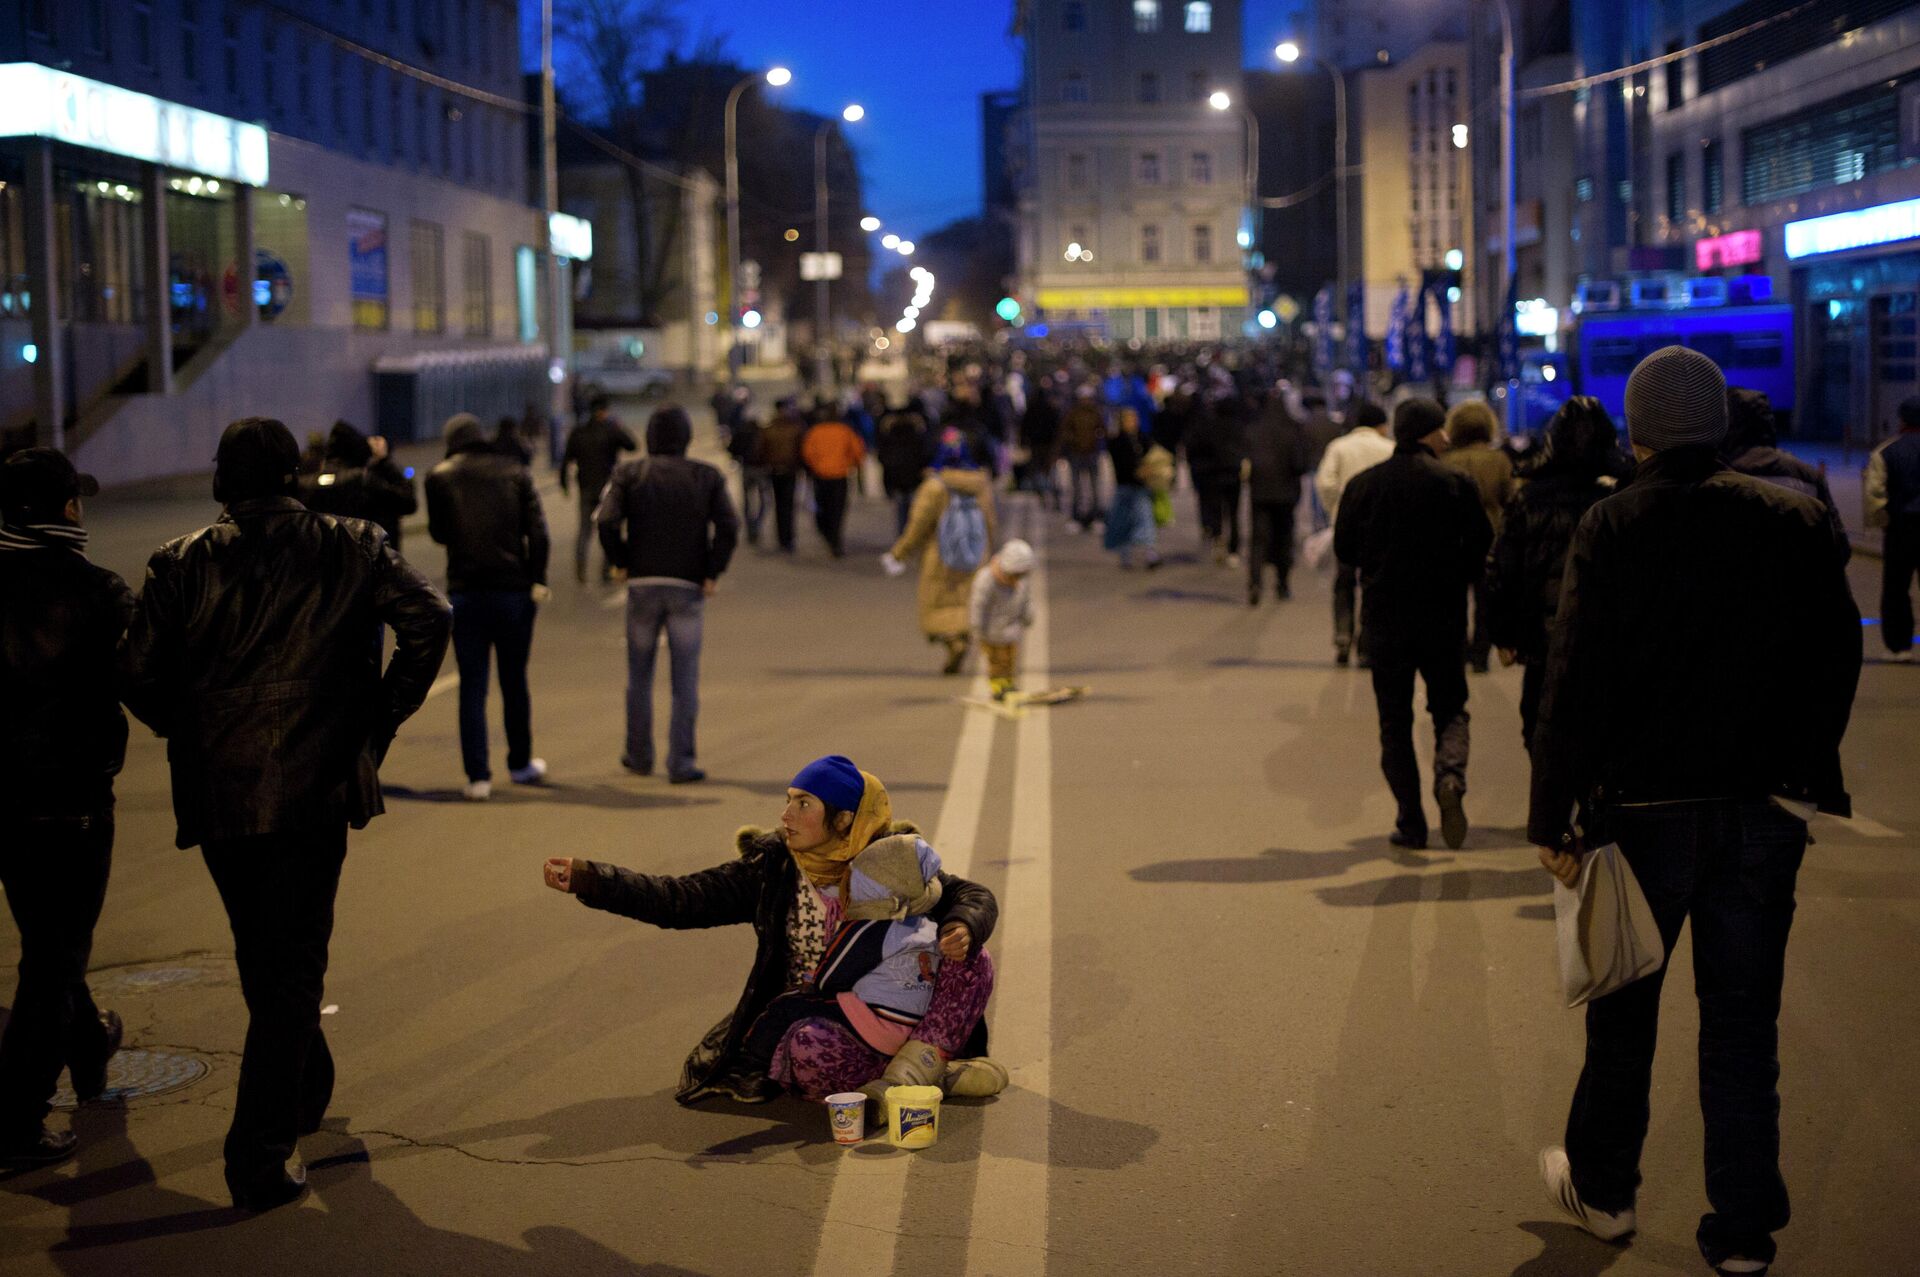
{"x": 1699, "y": 678}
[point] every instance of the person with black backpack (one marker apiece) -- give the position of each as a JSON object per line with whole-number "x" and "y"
{"x": 952, "y": 527}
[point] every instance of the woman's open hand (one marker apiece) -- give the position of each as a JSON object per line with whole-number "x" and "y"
{"x": 956, "y": 941}
{"x": 559, "y": 873}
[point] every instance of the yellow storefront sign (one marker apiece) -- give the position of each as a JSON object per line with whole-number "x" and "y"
{"x": 1129, "y": 298}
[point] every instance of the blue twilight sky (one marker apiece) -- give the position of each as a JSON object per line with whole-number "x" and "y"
{"x": 918, "y": 66}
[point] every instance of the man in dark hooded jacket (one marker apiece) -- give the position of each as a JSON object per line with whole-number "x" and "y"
{"x": 357, "y": 479}
{"x": 1751, "y": 448}
{"x": 1278, "y": 456}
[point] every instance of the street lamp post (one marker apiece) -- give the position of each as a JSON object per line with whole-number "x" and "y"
{"x": 1511, "y": 253}
{"x": 550, "y": 202}
{"x": 822, "y": 312}
{"x": 1250, "y": 170}
{"x": 777, "y": 76}
{"x": 1290, "y": 52}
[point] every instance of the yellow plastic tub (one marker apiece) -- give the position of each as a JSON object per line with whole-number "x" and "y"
{"x": 913, "y": 1116}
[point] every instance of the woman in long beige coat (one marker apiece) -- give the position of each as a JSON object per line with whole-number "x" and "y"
{"x": 944, "y": 591}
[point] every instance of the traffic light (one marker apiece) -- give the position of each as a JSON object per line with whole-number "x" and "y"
{"x": 1008, "y": 309}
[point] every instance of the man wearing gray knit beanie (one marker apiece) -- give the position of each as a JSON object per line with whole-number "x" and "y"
{"x": 1698, "y": 682}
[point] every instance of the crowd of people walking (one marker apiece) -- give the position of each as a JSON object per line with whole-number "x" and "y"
{"x": 1646, "y": 590}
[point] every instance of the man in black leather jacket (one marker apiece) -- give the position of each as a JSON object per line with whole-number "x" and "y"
{"x": 483, "y": 507}
{"x": 256, "y": 652}
{"x": 62, "y": 740}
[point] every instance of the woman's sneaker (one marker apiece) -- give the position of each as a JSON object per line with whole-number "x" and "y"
{"x": 1557, "y": 1171}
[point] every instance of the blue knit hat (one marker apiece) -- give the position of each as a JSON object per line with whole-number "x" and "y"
{"x": 834, "y": 780}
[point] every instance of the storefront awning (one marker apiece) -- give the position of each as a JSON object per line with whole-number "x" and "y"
{"x": 38, "y": 101}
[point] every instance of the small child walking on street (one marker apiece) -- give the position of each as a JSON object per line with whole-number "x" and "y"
{"x": 1001, "y": 610}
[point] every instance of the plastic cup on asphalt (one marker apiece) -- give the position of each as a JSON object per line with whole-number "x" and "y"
{"x": 847, "y": 1115}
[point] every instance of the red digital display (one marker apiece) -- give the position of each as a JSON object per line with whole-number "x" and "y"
{"x": 1735, "y": 248}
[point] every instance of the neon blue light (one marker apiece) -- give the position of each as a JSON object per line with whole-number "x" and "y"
{"x": 1859, "y": 228}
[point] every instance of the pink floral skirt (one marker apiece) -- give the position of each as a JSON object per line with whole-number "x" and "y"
{"x": 819, "y": 1058}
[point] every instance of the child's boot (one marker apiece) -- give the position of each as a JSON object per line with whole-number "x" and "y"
{"x": 976, "y": 1078}
{"x": 917, "y": 1064}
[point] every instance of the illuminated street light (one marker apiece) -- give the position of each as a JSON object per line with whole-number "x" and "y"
{"x": 1460, "y": 136}
{"x": 905, "y": 326}
{"x": 911, "y": 312}
{"x": 1455, "y": 259}
{"x": 1268, "y": 319}
{"x": 889, "y": 240}
{"x": 869, "y": 224}
{"x": 854, "y": 113}
{"x": 906, "y": 248}
{"x": 750, "y": 320}
{"x": 778, "y": 76}
{"x": 1219, "y": 101}
{"x": 1287, "y": 51}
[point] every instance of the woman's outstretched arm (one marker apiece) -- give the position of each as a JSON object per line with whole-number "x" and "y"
{"x": 717, "y": 897}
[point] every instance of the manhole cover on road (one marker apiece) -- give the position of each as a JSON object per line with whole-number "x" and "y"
{"x": 132, "y": 1074}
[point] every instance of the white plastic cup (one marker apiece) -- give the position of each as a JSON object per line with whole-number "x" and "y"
{"x": 847, "y": 1115}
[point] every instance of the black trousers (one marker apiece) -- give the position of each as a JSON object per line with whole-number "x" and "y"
{"x": 783, "y": 507}
{"x": 1269, "y": 540}
{"x": 1440, "y": 666}
{"x": 1346, "y": 586}
{"x": 785, "y": 1011}
{"x": 55, "y": 872}
{"x": 1480, "y": 644}
{"x": 830, "y": 512}
{"x": 278, "y": 890}
{"x": 1902, "y": 560}
{"x": 1731, "y": 867}
{"x": 1220, "y": 509}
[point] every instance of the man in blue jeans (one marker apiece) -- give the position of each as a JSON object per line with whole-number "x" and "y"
{"x": 1699, "y": 678}
{"x": 669, "y": 524}
{"x": 483, "y": 507}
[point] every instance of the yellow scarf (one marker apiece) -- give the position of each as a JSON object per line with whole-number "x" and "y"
{"x": 826, "y": 865}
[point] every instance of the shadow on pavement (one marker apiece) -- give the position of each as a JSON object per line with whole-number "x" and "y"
{"x": 1569, "y": 1253}
{"x": 1280, "y": 864}
{"x": 1455, "y": 885}
{"x": 608, "y": 796}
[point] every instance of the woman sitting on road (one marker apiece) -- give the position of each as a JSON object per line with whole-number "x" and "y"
{"x": 791, "y": 886}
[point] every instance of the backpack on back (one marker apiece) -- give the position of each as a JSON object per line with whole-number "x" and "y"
{"x": 962, "y": 533}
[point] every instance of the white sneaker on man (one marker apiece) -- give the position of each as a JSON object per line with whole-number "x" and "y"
{"x": 534, "y": 773}
{"x": 477, "y": 791}
{"x": 1557, "y": 1171}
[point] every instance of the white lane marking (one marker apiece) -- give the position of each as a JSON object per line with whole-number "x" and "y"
{"x": 445, "y": 683}
{"x": 1865, "y": 826}
{"x": 869, "y": 1189}
{"x": 1012, "y": 1192}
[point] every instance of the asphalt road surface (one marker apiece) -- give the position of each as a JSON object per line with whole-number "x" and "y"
{"x": 1246, "y": 1036}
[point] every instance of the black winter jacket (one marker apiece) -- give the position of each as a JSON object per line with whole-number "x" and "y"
{"x": 1530, "y": 555}
{"x": 1216, "y": 444}
{"x": 483, "y": 507}
{"x": 902, "y": 447}
{"x": 379, "y": 492}
{"x": 1416, "y": 531}
{"x": 759, "y": 888}
{"x": 593, "y": 450}
{"x": 62, "y": 735}
{"x": 256, "y": 652}
{"x": 1279, "y": 450}
{"x": 1707, "y": 646}
{"x": 669, "y": 517}
{"x": 1764, "y": 461}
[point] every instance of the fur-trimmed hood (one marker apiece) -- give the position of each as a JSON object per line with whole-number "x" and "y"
{"x": 751, "y": 841}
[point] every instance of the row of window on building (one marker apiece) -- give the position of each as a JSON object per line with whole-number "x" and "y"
{"x": 1148, "y": 89}
{"x": 1196, "y": 16}
{"x": 311, "y": 88}
{"x": 1150, "y": 168}
{"x": 1151, "y": 244}
{"x": 1831, "y": 143}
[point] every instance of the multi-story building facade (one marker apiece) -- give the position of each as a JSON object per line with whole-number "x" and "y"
{"x": 1788, "y": 151}
{"x": 1416, "y": 183}
{"x": 214, "y": 208}
{"x": 1353, "y": 34}
{"x": 1544, "y": 163}
{"x": 1135, "y": 198}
